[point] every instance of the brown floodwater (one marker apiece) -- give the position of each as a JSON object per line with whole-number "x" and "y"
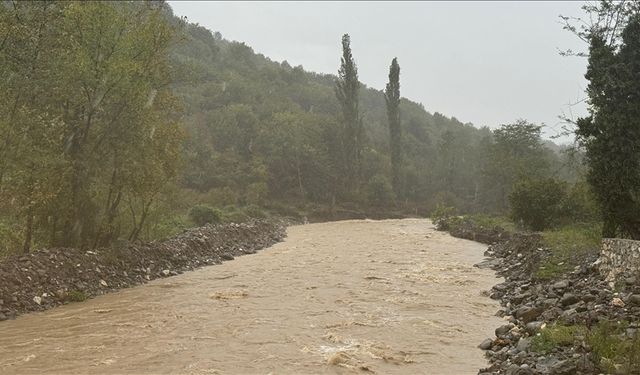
{"x": 386, "y": 297}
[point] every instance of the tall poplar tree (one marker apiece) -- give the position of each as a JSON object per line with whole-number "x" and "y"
{"x": 347, "y": 87}
{"x": 392, "y": 98}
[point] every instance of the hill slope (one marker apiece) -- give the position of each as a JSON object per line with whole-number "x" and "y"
{"x": 265, "y": 130}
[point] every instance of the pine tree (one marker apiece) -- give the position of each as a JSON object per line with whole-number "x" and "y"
{"x": 347, "y": 88}
{"x": 392, "y": 98}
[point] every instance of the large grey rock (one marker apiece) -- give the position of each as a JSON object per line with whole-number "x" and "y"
{"x": 503, "y": 330}
{"x": 524, "y": 344}
{"x": 519, "y": 370}
{"x": 534, "y": 327}
{"x": 528, "y": 314}
{"x": 560, "y": 285}
{"x": 569, "y": 299}
{"x": 565, "y": 367}
{"x": 486, "y": 344}
{"x": 634, "y": 299}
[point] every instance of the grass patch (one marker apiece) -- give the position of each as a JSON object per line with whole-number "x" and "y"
{"x": 615, "y": 351}
{"x": 76, "y": 296}
{"x": 487, "y": 221}
{"x": 568, "y": 245}
{"x": 555, "y": 336}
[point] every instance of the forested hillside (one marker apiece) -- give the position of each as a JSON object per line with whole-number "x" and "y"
{"x": 262, "y": 130}
{"x": 121, "y": 121}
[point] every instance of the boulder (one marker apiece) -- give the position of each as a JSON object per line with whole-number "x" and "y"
{"x": 486, "y": 344}
{"x": 569, "y": 299}
{"x": 528, "y": 314}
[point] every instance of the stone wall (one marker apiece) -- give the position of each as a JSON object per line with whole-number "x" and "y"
{"x": 619, "y": 257}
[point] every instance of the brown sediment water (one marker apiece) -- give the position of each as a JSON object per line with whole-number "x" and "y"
{"x": 385, "y": 297}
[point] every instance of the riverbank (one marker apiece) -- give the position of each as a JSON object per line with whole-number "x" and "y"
{"x": 51, "y": 277}
{"x": 556, "y": 320}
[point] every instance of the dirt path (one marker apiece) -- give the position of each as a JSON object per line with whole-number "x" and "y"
{"x": 383, "y": 297}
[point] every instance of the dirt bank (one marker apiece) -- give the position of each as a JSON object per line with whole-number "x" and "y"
{"x": 51, "y": 277}
{"x": 384, "y": 297}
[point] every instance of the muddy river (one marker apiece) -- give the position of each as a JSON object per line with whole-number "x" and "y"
{"x": 385, "y": 297}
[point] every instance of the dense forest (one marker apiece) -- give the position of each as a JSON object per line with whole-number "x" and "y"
{"x": 121, "y": 121}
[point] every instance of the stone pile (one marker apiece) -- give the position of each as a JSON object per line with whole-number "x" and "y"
{"x": 51, "y": 277}
{"x": 530, "y": 305}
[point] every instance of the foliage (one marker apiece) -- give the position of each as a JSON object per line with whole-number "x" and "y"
{"x": 87, "y": 117}
{"x": 201, "y": 215}
{"x": 517, "y": 153}
{"x": 611, "y": 133}
{"x": 392, "y": 99}
{"x": 614, "y": 349}
{"x": 347, "y": 93}
{"x": 76, "y": 296}
{"x": 442, "y": 216}
{"x": 556, "y": 335}
{"x": 537, "y": 204}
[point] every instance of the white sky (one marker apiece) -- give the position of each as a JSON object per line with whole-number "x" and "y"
{"x": 487, "y": 63}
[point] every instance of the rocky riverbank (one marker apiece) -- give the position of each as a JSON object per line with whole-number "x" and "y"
{"x": 51, "y": 277}
{"x": 577, "y": 323}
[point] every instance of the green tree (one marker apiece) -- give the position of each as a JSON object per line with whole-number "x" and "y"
{"x": 516, "y": 153}
{"x": 392, "y": 99}
{"x": 538, "y": 204}
{"x": 347, "y": 92}
{"x": 611, "y": 134}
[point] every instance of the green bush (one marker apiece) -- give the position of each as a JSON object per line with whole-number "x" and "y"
{"x": 537, "y": 204}
{"x": 443, "y": 216}
{"x": 202, "y": 215}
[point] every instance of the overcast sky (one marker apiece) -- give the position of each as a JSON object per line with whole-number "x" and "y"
{"x": 487, "y": 63}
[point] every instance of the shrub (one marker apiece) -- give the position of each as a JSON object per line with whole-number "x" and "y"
{"x": 537, "y": 204}
{"x": 202, "y": 215}
{"x": 442, "y": 216}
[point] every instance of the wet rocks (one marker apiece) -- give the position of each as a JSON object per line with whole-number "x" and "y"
{"x": 503, "y": 330}
{"x": 534, "y": 327}
{"x": 569, "y": 299}
{"x": 51, "y": 277}
{"x": 528, "y": 313}
{"x": 532, "y": 305}
{"x": 486, "y": 344}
